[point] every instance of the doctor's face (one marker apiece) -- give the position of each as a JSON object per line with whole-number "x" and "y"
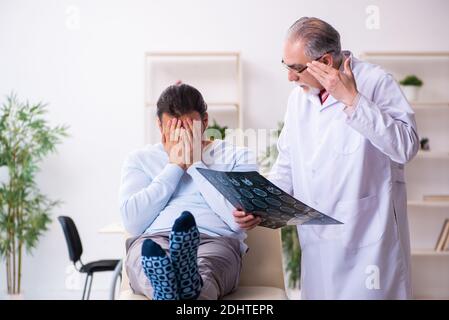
{"x": 295, "y": 60}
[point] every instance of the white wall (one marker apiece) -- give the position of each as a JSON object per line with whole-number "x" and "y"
{"x": 93, "y": 79}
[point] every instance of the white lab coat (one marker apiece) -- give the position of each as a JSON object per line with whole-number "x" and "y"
{"x": 351, "y": 168}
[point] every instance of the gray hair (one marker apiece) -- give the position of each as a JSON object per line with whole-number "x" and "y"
{"x": 319, "y": 37}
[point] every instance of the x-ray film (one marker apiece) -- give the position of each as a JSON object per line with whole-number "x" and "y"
{"x": 252, "y": 193}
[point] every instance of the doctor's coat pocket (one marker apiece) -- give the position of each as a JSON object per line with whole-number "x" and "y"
{"x": 343, "y": 139}
{"x": 361, "y": 225}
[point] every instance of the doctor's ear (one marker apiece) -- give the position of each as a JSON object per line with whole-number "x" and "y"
{"x": 328, "y": 60}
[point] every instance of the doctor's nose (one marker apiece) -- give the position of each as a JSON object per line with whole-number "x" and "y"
{"x": 292, "y": 76}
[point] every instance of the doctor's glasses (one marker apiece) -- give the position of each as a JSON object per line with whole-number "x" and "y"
{"x": 298, "y": 68}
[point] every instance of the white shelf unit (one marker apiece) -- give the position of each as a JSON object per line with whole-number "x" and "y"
{"x": 217, "y": 75}
{"x": 428, "y": 173}
{"x": 433, "y": 155}
{"x": 436, "y": 105}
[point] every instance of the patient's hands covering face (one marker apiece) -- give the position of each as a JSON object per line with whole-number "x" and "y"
{"x": 182, "y": 141}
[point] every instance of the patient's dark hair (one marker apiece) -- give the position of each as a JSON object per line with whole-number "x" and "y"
{"x": 181, "y": 99}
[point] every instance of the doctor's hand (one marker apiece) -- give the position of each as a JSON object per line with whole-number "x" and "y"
{"x": 341, "y": 85}
{"x": 244, "y": 220}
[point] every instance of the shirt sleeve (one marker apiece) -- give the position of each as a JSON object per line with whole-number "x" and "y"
{"x": 387, "y": 121}
{"x": 143, "y": 198}
{"x": 219, "y": 204}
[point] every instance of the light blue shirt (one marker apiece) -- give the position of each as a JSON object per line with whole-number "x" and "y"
{"x": 154, "y": 192}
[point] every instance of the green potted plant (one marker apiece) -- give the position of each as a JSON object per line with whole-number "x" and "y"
{"x": 216, "y": 131}
{"x": 289, "y": 234}
{"x": 25, "y": 139}
{"x": 410, "y": 85}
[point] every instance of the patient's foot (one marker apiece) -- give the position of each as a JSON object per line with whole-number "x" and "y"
{"x": 159, "y": 270}
{"x": 184, "y": 241}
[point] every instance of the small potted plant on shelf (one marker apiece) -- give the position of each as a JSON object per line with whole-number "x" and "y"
{"x": 410, "y": 85}
{"x": 424, "y": 142}
{"x": 216, "y": 131}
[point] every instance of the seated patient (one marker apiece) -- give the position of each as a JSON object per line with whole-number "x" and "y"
{"x": 186, "y": 244}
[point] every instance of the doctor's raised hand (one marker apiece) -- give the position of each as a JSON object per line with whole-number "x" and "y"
{"x": 339, "y": 84}
{"x": 246, "y": 221}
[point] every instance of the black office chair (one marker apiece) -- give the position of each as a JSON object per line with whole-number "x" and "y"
{"x": 76, "y": 249}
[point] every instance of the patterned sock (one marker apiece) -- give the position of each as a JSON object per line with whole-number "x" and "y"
{"x": 184, "y": 241}
{"x": 159, "y": 270}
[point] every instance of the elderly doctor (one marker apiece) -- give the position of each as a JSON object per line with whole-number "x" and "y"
{"x": 348, "y": 133}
